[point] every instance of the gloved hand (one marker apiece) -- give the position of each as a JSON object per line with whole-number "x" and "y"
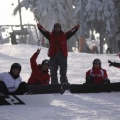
{"x": 90, "y": 77}
{"x": 111, "y": 63}
{"x": 106, "y": 81}
{"x": 38, "y": 50}
{"x": 78, "y": 26}
{"x": 38, "y": 25}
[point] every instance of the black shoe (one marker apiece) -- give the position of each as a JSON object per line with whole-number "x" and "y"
{"x": 62, "y": 89}
{"x": 66, "y": 85}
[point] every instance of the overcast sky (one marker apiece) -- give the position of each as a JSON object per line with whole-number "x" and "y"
{"x": 6, "y": 10}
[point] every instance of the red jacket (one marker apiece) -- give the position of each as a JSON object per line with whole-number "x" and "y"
{"x": 98, "y": 74}
{"x": 37, "y": 75}
{"x": 62, "y": 39}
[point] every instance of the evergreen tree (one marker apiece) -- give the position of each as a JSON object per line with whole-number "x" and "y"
{"x": 98, "y": 15}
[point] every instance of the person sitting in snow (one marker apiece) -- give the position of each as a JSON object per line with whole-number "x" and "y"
{"x": 96, "y": 75}
{"x": 115, "y": 64}
{"x": 11, "y": 82}
{"x": 40, "y": 73}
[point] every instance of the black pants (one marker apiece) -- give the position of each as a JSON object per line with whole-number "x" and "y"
{"x": 20, "y": 90}
{"x": 89, "y": 80}
{"x": 58, "y": 61}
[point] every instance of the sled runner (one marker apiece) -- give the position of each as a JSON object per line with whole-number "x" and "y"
{"x": 91, "y": 88}
{"x": 38, "y": 99}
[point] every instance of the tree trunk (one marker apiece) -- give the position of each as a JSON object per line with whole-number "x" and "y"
{"x": 101, "y": 44}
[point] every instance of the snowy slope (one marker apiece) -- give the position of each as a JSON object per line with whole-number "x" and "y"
{"x": 93, "y": 106}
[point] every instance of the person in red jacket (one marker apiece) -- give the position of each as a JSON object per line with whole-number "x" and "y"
{"x": 96, "y": 75}
{"x": 58, "y": 51}
{"x": 40, "y": 73}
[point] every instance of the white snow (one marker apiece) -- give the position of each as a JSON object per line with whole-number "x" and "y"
{"x": 89, "y": 106}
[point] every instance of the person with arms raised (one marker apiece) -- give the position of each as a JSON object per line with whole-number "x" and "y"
{"x": 58, "y": 50}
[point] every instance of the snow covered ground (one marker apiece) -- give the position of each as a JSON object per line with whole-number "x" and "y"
{"x": 91, "y": 106}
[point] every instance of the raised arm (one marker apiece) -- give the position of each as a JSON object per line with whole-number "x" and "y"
{"x": 33, "y": 59}
{"x": 43, "y": 31}
{"x": 70, "y": 33}
{"x": 114, "y": 64}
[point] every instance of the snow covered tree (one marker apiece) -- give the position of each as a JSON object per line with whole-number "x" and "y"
{"x": 117, "y": 8}
{"x": 117, "y": 21}
{"x": 48, "y": 12}
{"x": 98, "y": 15}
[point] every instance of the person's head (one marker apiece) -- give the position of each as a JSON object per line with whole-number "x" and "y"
{"x": 96, "y": 63}
{"x": 45, "y": 65}
{"x": 15, "y": 69}
{"x": 57, "y": 27}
